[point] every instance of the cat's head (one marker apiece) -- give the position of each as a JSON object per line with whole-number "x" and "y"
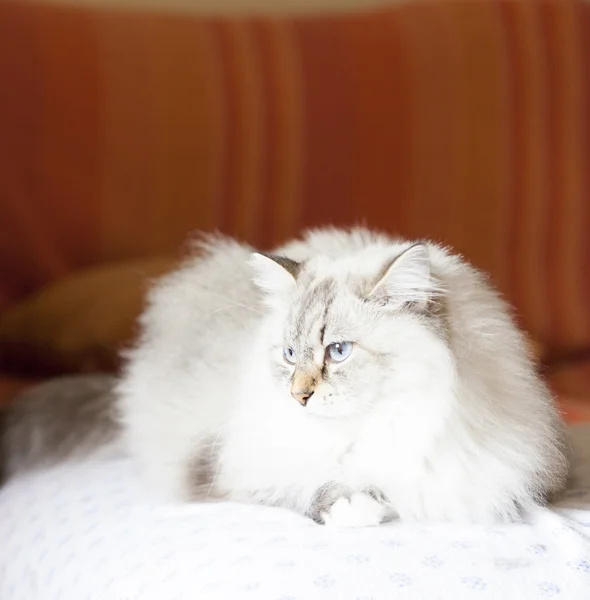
{"x": 346, "y": 333}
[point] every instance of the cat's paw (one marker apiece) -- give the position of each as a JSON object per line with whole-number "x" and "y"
{"x": 356, "y": 510}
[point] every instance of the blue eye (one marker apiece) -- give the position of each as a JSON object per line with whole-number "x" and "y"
{"x": 339, "y": 351}
{"x": 289, "y": 354}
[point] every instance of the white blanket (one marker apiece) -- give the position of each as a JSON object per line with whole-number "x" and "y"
{"x": 82, "y": 532}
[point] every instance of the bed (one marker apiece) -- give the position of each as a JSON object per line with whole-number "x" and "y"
{"x": 85, "y": 531}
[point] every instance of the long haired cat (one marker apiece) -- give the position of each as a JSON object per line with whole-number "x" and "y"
{"x": 349, "y": 376}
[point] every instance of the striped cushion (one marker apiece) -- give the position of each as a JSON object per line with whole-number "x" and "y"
{"x": 462, "y": 121}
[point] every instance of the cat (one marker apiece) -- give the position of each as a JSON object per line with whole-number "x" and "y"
{"x": 352, "y": 377}
{"x": 58, "y": 420}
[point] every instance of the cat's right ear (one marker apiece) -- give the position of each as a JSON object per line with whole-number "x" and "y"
{"x": 274, "y": 275}
{"x": 407, "y": 280}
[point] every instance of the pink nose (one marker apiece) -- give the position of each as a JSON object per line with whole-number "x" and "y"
{"x": 301, "y": 397}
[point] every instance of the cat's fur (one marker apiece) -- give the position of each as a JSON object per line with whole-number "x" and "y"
{"x": 56, "y": 421}
{"x": 438, "y": 412}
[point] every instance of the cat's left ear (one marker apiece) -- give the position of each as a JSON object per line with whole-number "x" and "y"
{"x": 407, "y": 279}
{"x": 275, "y": 275}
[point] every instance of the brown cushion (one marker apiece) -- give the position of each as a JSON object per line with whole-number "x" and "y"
{"x": 80, "y": 323}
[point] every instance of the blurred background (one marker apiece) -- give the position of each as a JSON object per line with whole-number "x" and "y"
{"x": 126, "y": 125}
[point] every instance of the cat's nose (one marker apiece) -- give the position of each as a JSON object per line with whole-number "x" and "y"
{"x": 301, "y": 397}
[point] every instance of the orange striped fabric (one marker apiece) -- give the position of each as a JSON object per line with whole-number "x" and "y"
{"x": 462, "y": 121}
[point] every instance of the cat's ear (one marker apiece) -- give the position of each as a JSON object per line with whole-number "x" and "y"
{"x": 275, "y": 275}
{"x": 406, "y": 280}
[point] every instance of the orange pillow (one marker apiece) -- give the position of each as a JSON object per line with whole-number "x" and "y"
{"x": 80, "y": 323}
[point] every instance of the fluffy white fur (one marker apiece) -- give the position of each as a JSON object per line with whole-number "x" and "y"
{"x": 438, "y": 407}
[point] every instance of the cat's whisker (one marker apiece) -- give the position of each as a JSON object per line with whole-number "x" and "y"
{"x": 211, "y": 292}
{"x": 213, "y": 479}
{"x": 214, "y": 444}
{"x": 236, "y": 306}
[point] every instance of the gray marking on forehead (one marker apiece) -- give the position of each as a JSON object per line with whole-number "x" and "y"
{"x": 319, "y": 294}
{"x": 327, "y": 308}
{"x": 315, "y": 306}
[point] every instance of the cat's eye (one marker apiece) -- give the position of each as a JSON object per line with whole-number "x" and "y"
{"x": 289, "y": 354}
{"x": 339, "y": 351}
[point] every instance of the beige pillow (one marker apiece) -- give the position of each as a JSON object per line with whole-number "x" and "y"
{"x": 80, "y": 323}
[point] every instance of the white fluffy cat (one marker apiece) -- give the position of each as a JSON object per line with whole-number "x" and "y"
{"x": 349, "y": 376}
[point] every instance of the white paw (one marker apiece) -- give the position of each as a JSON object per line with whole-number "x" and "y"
{"x": 360, "y": 510}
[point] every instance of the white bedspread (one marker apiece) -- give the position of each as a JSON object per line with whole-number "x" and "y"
{"x": 82, "y": 532}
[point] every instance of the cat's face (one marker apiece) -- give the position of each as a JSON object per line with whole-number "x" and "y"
{"x": 343, "y": 337}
